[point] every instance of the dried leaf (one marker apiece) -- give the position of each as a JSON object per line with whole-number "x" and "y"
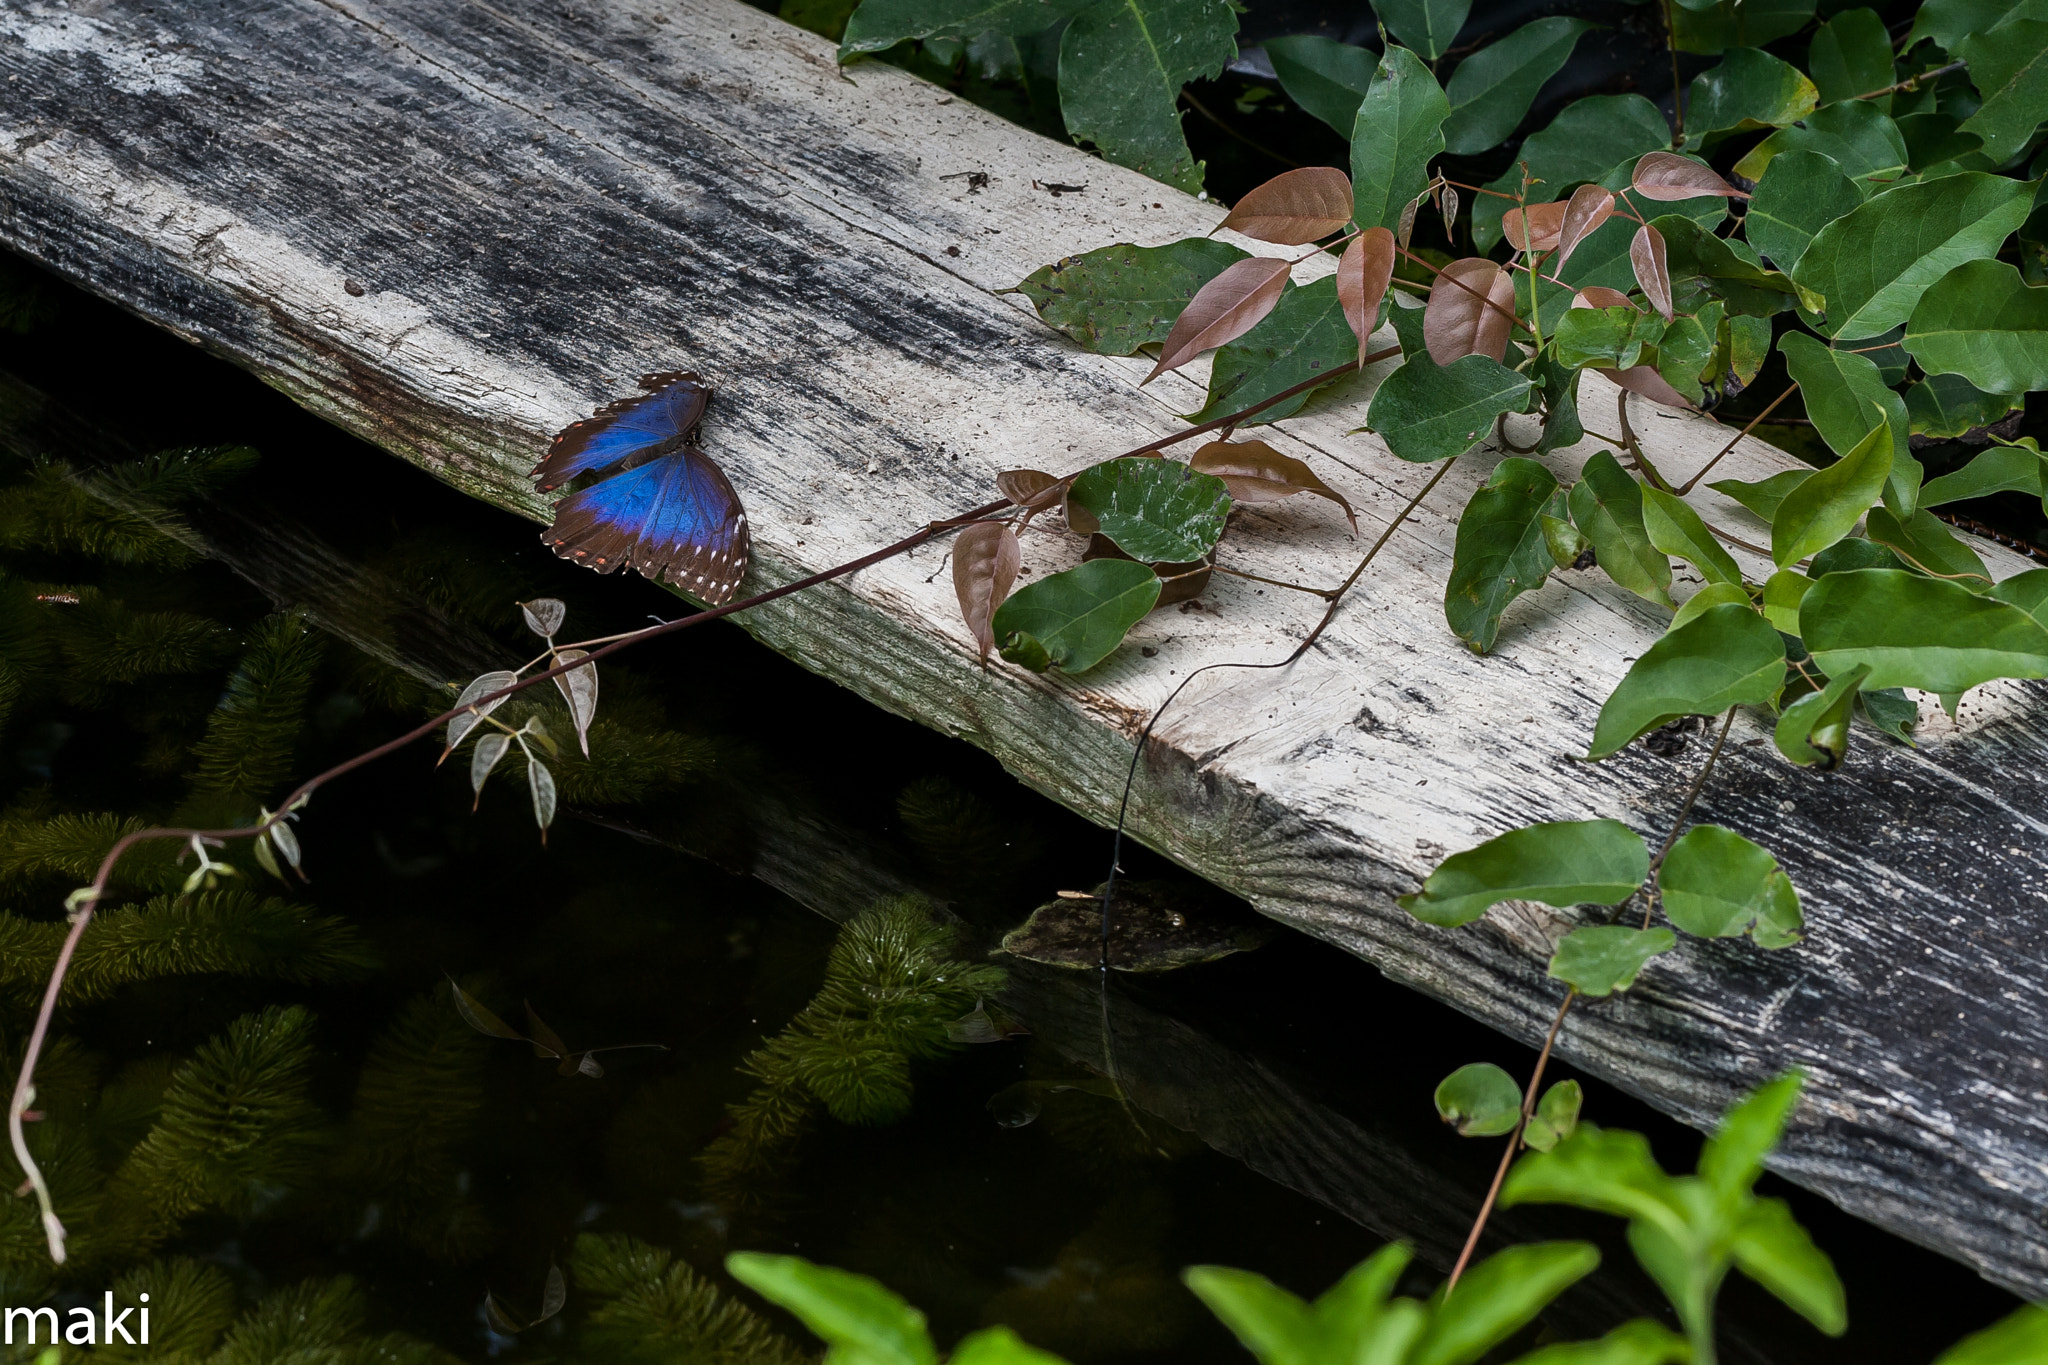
{"x": 1645, "y": 380}
{"x": 587, "y": 1065}
{"x": 1470, "y": 311}
{"x": 544, "y": 615}
{"x": 1177, "y": 582}
{"x": 1544, "y": 223}
{"x": 1407, "y": 223}
{"x": 1294, "y": 207}
{"x": 1646, "y": 254}
{"x": 552, "y": 1295}
{"x": 1668, "y": 176}
{"x": 543, "y": 783}
{"x": 287, "y": 843}
{"x": 1222, "y": 310}
{"x": 499, "y": 1320}
{"x": 483, "y": 758}
{"x": 1447, "y": 203}
{"x": 459, "y": 726}
{"x": 1031, "y": 489}
{"x": 546, "y": 1042}
{"x": 579, "y": 689}
{"x": 1585, "y": 211}
{"x": 481, "y": 1019}
{"x": 1255, "y": 472}
{"x": 986, "y": 557}
{"x": 1600, "y": 296}
{"x": 1080, "y": 520}
{"x": 1363, "y": 272}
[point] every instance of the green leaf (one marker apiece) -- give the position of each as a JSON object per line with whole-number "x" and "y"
{"x": 1733, "y": 1157}
{"x": 999, "y": 1346}
{"x": 1325, "y": 77}
{"x": 1918, "y": 632}
{"x": 1846, "y": 397}
{"x": 1608, "y": 1171}
{"x": 2000, "y": 469}
{"x": 1891, "y": 711}
{"x": 1801, "y": 192}
{"x": 1814, "y": 730}
{"x": 1676, "y": 529}
{"x": 1606, "y": 958}
{"x": 1492, "y": 89}
{"x": 1873, "y": 264}
{"x": 1706, "y": 599}
{"x": 1425, "y": 412}
{"x": 2028, "y": 591}
{"x": 1945, "y": 406}
{"x": 1985, "y": 323}
{"x": 1122, "y": 66}
{"x": 1846, "y": 556}
{"x": 1765, "y": 495}
{"x": 1075, "y": 619}
{"x": 861, "y": 1321}
{"x": 1428, "y": 26}
{"x": 1560, "y": 386}
{"x": 1926, "y": 544}
{"x": 1607, "y": 506}
{"x": 1865, "y": 143}
{"x": 1117, "y": 298}
{"x": 1497, "y": 1297}
{"x": 1948, "y": 22}
{"x": 1783, "y": 591}
{"x": 1688, "y": 349}
{"x": 1771, "y": 1248}
{"x": 1274, "y": 1325}
{"x": 1305, "y": 335}
{"x": 1556, "y": 1116}
{"x": 1717, "y": 884}
{"x": 880, "y": 24}
{"x": 2009, "y": 67}
{"x": 1159, "y": 511}
{"x": 1728, "y": 656}
{"x": 1613, "y": 337}
{"x": 1749, "y": 346}
{"x": 1825, "y": 505}
{"x": 1851, "y": 55}
{"x": 1479, "y": 1100}
{"x": 1399, "y": 131}
{"x": 1587, "y": 140}
{"x": 1733, "y": 23}
{"x": 1749, "y": 89}
{"x": 1357, "y": 1321}
{"x": 1501, "y": 549}
{"x": 1699, "y": 261}
{"x": 1640, "y": 1342}
{"x": 2017, "y": 1339}
{"x": 1566, "y": 863}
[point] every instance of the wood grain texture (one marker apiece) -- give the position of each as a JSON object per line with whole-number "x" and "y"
{"x": 539, "y": 201}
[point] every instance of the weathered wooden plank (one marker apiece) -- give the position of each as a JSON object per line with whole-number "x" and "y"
{"x": 536, "y": 204}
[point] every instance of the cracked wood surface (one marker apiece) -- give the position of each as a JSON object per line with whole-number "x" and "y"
{"x": 452, "y": 228}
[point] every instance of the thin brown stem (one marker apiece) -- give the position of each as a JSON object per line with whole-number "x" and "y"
{"x": 1635, "y": 449}
{"x": 1736, "y": 439}
{"x": 1913, "y": 82}
{"x": 1325, "y": 593}
{"x": 1229, "y": 131}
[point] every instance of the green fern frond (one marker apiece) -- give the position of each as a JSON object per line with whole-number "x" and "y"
{"x": 106, "y": 641}
{"x": 627, "y": 764}
{"x": 65, "y": 1153}
{"x": 654, "y": 1308}
{"x": 961, "y": 835}
{"x": 53, "y": 512}
{"x": 190, "y": 1305}
{"x": 238, "y": 1129}
{"x": 37, "y": 846}
{"x": 305, "y": 1324}
{"x": 859, "y": 1077}
{"x": 891, "y": 968}
{"x": 171, "y": 477}
{"x": 250, "y": 738}
{"x": 229, "y": 931}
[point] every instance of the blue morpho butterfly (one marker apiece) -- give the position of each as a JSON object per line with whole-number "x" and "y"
{"x": 667, "y": 510}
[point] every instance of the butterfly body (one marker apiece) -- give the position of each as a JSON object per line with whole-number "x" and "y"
{"x": 664, "y": 508}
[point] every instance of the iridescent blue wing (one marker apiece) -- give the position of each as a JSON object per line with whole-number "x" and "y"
{"x": 676, "y": 519}
{"x": 633, "y": 429}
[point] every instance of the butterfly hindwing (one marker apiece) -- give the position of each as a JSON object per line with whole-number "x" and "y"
{"x": 643, "y": 426}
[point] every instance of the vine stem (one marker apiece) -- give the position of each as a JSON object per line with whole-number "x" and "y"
{"x": 1514, "y": 1144}
{"x": 83, "y": 903}
{"x": 1736, "y": 439}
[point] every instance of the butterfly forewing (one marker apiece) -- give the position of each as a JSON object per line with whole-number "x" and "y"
{"x": 645, "y": 426}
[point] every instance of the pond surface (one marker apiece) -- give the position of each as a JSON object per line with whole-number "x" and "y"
{"x": 437, "y": 1165}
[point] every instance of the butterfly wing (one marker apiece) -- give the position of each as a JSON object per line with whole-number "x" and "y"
{"x": 676, "y": 520}
{"x": 647, "y": 426}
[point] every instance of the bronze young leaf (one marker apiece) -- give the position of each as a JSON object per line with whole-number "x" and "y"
{"x": 1543, "y": 224}
{"x": 1294, "y": 207}
{"x": 1645, "y": 380}
{"x": 1668, "y": 176}
{"x": 1600, "y": 296}
{"x": 1470, "y": 311}
{"x": 1031, "y": 489}
{"x": 1223, "y": 310}
{"x": 1646, "y": 254}
{"x": 1587, "y": 209}
{"x": 1255, "y": 472}
{"x": 1363, "y": 272}
{"x": 985, "y": 561}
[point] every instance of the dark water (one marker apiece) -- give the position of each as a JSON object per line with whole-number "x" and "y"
{"x": 1071, "y": 1228}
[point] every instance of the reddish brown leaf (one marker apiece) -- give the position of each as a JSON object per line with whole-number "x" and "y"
{"x": 1177, "y": 582}
{"x": 1255, "y": 472}
{"x": 1294, "y": 207}
{"x": 985, "y": 561}
{"x": 1600, "y": 296}
{"x": 1645, "y": 380}
{"x": 1646, "y": 254}
{"x": 1080, "y": 520}
{"x": 1544, "y": 222}
{"x": 1668, "y": 176}
{"x": 1587, "y": 209}
{"x": 1362, "y": 275}
{"x": 1222, "y": 310}
{"x": 1470, "y": 311}
{"x": 1407, "y": 228}
{"x": 1447, "y": 203}
{"x": 1030, "y": 489}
